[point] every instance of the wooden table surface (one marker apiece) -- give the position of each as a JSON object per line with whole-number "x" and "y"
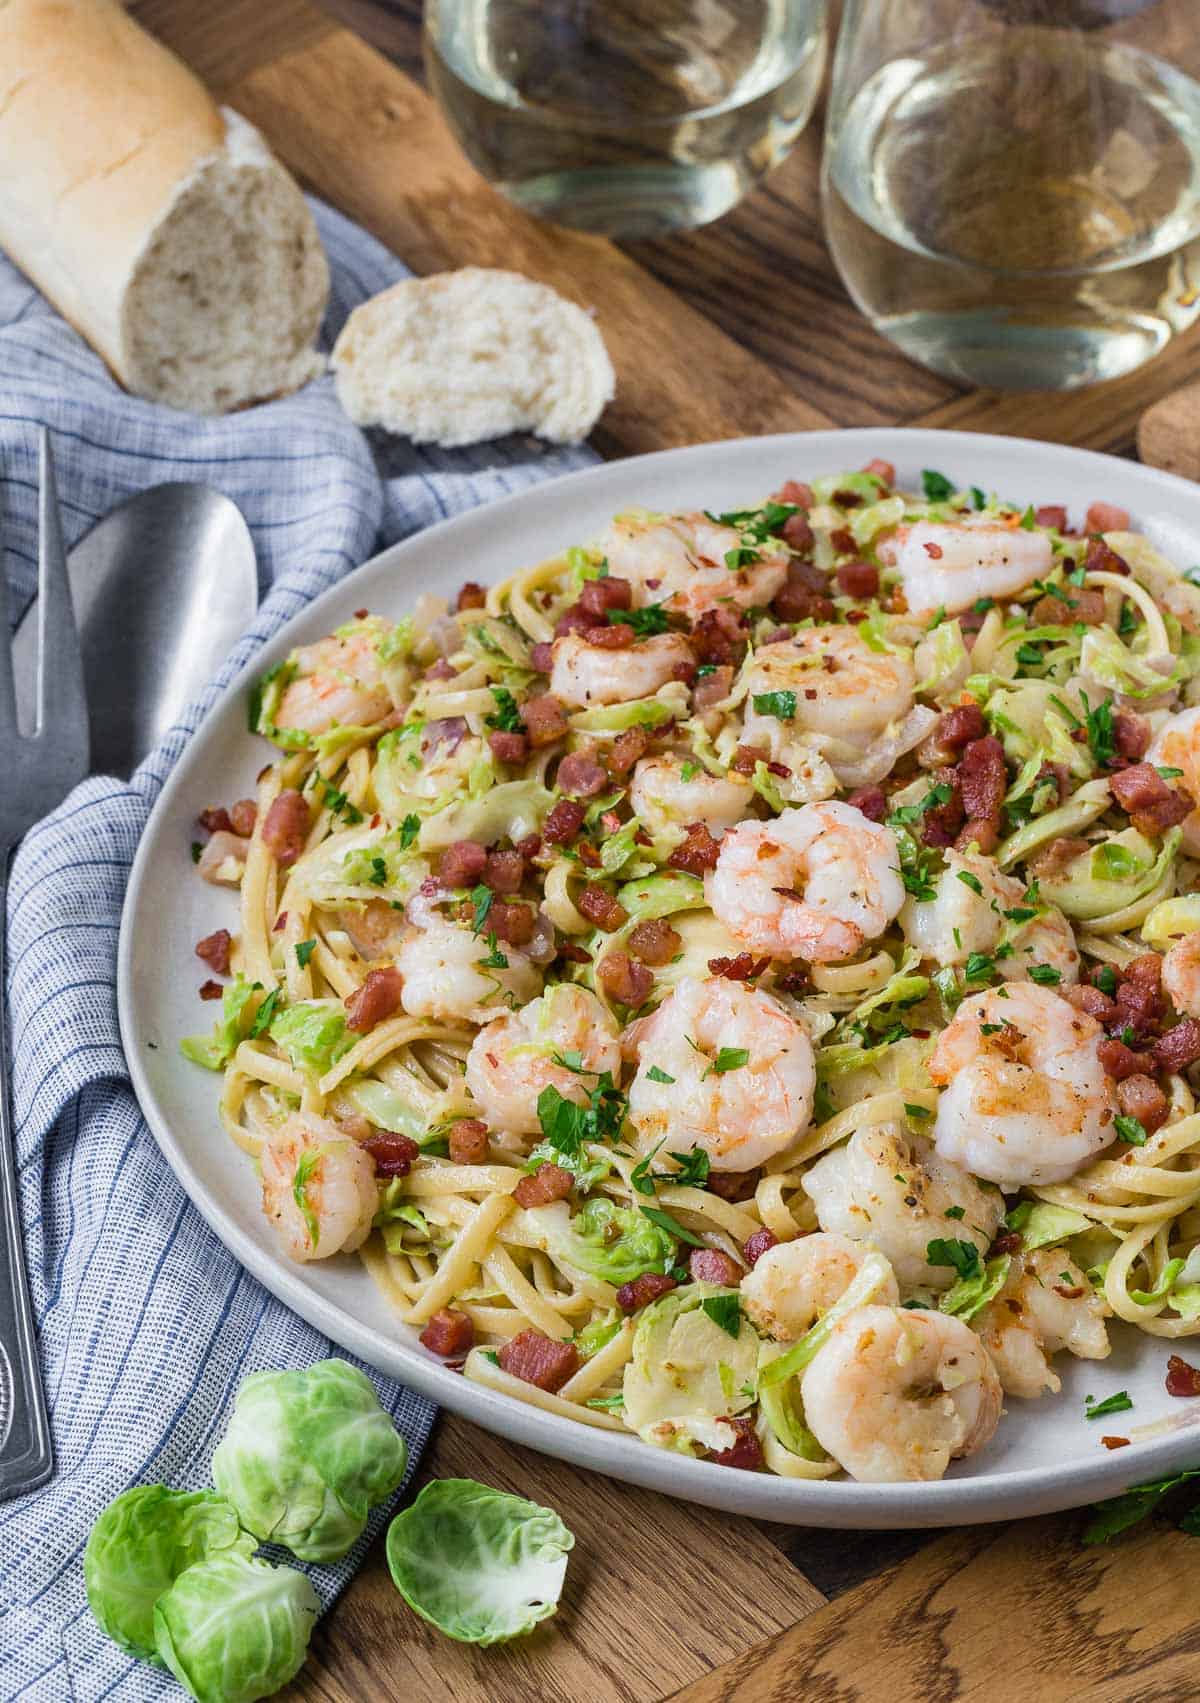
{"x": 737, "y": 329}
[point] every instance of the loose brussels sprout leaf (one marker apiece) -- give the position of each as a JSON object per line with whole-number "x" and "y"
{"x": 265, "y": 698}
{"x": 232, "y": 1630}
{"x": 970, "y": 1295}
{"x": 597, "y": 1336}
{"x": 313, "y": 1034}
{"x": 480, "y": 1565}
{"x": 1108, "y": 662}
{"x": 784, "y": 1412}
{"x": 1042, "y": 1225}
{"x": 140, "y": 1545}
{"x": 941, "y": 656}
{"x": 674, "y": 1384}
{"x": 306, "y": 1455}
{"x": 866, "y": 522}
{"x": 513, "y": 810}
{"x": 669, "y": 703}
{"x": 215, "y": 1051}
{"x": 396, "y": 1214}
{"x": 872, "y": 1274}
{"x": 865, "y": 485}
{"x": 661, "y": 895}
{"x": 613, "y": 1243}
{"x": 387, "y": 1109}
{"x": 1111, "y": 875}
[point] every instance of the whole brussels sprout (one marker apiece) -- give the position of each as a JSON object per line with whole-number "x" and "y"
{"x": 306, "y": 1456}
{"x": 140, "y": 1545}
{"x": 232, "y": 1629}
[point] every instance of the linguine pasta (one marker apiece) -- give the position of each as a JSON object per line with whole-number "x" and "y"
{"x": 728, "y": 930}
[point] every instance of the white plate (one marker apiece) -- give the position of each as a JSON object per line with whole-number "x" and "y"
{"x": 1045, "y": 1455}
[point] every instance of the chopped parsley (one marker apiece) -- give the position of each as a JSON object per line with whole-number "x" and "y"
{"x": 1029, "y": 519}
{"x": 1101, "y": 736}
{"x": 689, "y": 771}
{"x": 962, "y": 1257}
{"x": 978, "y": 500}
{"x": 727, "y": 1059}
{"x": 657, "y": 1075}
{"x": 779, "y": 704}
{"x": 339, "y": 804}
{"x": 979, "y": 967}
{"x": 936, "y": 486}
{"x": 672, "y": 1226}
{"x": 1131, "y": 1130}
{"x": 1118, "y": 1513}
{"x": 507, "y": 718}
{"x": 971, "y": 881}
{"x": 495, "y": 959}
{"x": 304, "y": 951}
{"x": 567, "y": 1126}
{"x": 1106, "y": 979}
{"x": 1045, "y": 974}
{"x": 197, "y": 848}
{"x": 920, "y": 1112}
{"x": 1119, "y": 1403}
{"x": 481, "y": 898}
{"x": 645, "y": 622}
{"x": 726, "y": 1311}
{"x": 409, "y": 829}
{"x": 262, "y": 1018}
{"x": 955, "y": 1212}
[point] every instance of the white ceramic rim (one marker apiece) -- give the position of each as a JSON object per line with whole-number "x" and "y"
{"x": 752, "y": 465}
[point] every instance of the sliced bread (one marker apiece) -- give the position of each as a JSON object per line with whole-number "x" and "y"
{"x": 464, "y": 356}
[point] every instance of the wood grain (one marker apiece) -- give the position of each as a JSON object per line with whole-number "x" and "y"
{"x": 1169, "y": 433}
{"x": 633, "y": 1624}
{"x": 1022, "y": 1614}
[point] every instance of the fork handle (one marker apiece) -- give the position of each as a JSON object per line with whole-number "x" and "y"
{"x": 26, "y": 1459}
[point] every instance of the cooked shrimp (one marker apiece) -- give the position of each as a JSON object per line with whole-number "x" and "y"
{"x": 583, "y": 675}
{"x": 1025, "y": 1098}
{"x": 318, "y": 1188}
{"x": 513, "y": 1059}
{"x": 793, "y": 1284}
{"x": 895, "y": 1396}
{"x": 1181, "y": 975}
{"x": 721, "y": 1067}
{"x": 1047, "y": 1304}
{"x": 897, "y": 1194}
{"x": 948, "y": 564}
{"x": 1176, "y": 745}
{"x": 842, "y": 688}
{"x": 680, "y": 560}
{"x": 337, "y": 683}
{"x": 376, "y": 929}
{"x": 444, "y": 975}
{"x": 977, "y": 909}
{"x": 670, "y": 792}
{"x": 815, "y": 883}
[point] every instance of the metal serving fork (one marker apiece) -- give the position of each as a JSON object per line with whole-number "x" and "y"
{"x": 40, "y": 768}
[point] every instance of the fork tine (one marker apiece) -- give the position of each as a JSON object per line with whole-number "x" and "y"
{"x": 60, "y": 692}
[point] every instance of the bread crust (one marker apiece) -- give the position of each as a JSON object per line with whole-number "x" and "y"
{"x": 105, "y": 140}
{"x": 99, "y": 126}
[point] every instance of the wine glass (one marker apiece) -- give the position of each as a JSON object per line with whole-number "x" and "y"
{"x": 1011, "y": 188}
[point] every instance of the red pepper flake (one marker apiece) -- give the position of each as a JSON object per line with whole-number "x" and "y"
{"x": 1115, "y": 1442}
{"x": 1182, "y": 1378}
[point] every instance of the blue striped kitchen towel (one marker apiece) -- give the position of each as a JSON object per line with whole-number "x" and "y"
{"x": 147, "y": 1323}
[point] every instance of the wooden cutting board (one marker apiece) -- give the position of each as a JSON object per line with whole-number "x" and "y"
{"x": 737, "y": 329}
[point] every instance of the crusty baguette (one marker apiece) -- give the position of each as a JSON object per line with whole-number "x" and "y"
{"x": 162, "y": 228}
{"x": 468, "y": 355}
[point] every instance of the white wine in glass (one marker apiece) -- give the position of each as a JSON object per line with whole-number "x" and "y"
{"x": 1017, "y": 204}
{"x": 628, "y": 117}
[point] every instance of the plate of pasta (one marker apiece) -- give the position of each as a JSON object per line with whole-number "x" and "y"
{"x": 709, "y": 972}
